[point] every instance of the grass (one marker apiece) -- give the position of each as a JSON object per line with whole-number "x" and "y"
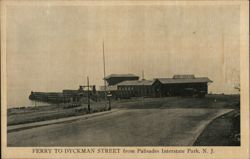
{"x": 224, "y": 130}
{"x": 36, "y": 114}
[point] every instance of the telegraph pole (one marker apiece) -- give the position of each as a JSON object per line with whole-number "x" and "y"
{"x": 104, "y": 75}
{"x": 143, "y": 88}
{"x": 88, "y": 94}
{"x": 104, "y": 70}
{"x": 142, "y": 74}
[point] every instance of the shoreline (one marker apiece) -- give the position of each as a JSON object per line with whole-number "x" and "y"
{"x": 23, "y": 115}
{"x": 121, "y": 100}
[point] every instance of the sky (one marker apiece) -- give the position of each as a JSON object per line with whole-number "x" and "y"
{"x": 51, "y": 48}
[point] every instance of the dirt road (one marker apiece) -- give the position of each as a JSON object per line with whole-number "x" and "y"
{"x": 127, "y": 127}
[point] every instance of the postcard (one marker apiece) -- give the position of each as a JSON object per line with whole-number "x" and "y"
{"x": 124, "y": 79}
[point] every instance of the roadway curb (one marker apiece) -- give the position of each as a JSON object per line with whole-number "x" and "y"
{"x": 56, "y": 121}
{"x": 203, "y": 127}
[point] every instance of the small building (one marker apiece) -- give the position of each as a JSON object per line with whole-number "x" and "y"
{"x": 114, "y": 79}
{"x": 108, "y": 89}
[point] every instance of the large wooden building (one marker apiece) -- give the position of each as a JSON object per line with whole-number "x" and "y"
{"x": 179, "y": 85}
{"x": 184, "y": 85}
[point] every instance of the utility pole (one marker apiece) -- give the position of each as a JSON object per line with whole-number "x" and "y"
{"x": 143, "y": 88}
{"x": 104, "y": 70}
{"x": 109, "y": 99}
{"x": 88, "y": 94}
{"x": 104, "y": 75}
{"x": 142, "y": 74}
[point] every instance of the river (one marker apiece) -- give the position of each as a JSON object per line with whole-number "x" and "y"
{"x": 20, "y": 98}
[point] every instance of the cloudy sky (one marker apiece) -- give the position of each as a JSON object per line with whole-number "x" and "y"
{"x": 50, "y": 48}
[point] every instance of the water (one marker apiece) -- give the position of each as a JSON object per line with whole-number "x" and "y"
{"x": 20, "y": 98}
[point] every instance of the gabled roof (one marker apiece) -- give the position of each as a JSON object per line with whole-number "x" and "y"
{"x": 184, "y": 80}
{"x": 120, "y": 75}
{"x": 136, "y": 83}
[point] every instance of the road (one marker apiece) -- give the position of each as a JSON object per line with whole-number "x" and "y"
{"x": 126, "y": 127}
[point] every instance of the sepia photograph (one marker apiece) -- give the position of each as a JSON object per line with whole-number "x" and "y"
{"x": 124, "y": 74}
